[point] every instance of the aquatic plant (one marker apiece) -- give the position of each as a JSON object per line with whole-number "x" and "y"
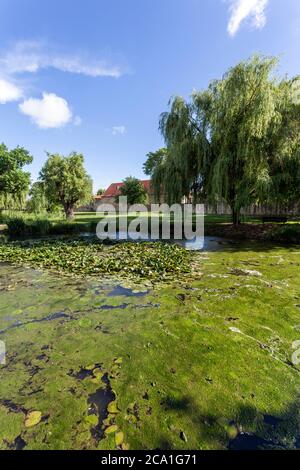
{"x": 91, "y": 257}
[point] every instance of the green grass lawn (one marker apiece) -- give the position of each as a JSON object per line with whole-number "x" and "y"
{"x": 28, "y": 225}
{"x": 87, "y": 217}
{"x": 83, "y": 217}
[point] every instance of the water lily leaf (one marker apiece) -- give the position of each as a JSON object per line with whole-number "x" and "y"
{"x": 111, "y": 429}
{"x": 108, "y": 421}
{"x": 131, "y": 419}
{"x": 119, "y": 360}
{"x": 92, "y": 420}
{"x": 95, "y": 380}
{"x": 112, "y": 408}
{"x": 33, "y": 418}
{"x": 232, "y": 431}
{"x": 114, "y": 370}
{"x": 98, "y": 373}
{"x": 119, "y": 438}
{"x": 82, "y": 257}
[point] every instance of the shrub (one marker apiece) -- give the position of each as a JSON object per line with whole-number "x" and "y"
{"x": 21, "y": 226}
{"x": 39, "y": 227}
{"x": 16, "y": 226}
{"x": 289, "y": 233}
{"x": 68, "y": 228}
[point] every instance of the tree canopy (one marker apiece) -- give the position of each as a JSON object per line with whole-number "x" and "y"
{"x": 66, "y": 181}
{"x": 237, "y": 141}
{"x": 14, "y": 181}
{"x": 154, "y": 159}
{"x": 38, "y": 201}
{"x": 100, "y": 192}
{"x": 134, "y": 190}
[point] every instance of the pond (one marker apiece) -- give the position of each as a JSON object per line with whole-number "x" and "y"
{"x": 203, "y": 361}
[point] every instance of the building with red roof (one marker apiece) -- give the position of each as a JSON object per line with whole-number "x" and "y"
{"x": 110, "y": 195}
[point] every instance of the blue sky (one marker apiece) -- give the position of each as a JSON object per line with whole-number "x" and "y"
{"x": 94, "y": 75}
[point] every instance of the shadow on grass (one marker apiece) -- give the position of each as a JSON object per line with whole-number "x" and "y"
{"x": 248, "y": 429}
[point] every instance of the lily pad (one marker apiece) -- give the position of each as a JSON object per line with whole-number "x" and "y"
{"x": 112, "y": 408}
{"x": 119, "y": 438}
{"x": 33, "y": 418}
{"x": 232, "y": 431}
{"x": 96, "y": 380}
{"x": 98, "y": 372}
{"x": 119, "y": 360}
{"x": 92, "y": 420}
{"x": 111, "y": 429}
{"x": 108, "y": 421}
{"x": 131, "y": 419}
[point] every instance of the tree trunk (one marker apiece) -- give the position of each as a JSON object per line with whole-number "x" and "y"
{"x": 236, "y": 216}
{"x": 69, "y": 211}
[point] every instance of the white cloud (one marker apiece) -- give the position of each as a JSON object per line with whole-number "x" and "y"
{"x": 119, "y": 130}
{"x": 51, "y": 111}
{"x": 242, "y": 9}
{"x": 30, "y": 57}
{"x": 9, "y": 92}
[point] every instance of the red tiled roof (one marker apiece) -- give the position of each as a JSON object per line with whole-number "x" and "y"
{"x": 114, "y": 189}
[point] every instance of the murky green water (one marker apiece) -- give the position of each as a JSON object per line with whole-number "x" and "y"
{"x": 199, "y": 363}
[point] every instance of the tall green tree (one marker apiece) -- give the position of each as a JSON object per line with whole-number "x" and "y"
{"x": 38, "y": 201}
{"x": 155, "y": 166}
{"x": 100, "y": 192}
{"x": 66, "y": 182}
{"x": 14, "y": 181}
{"x": 224, "y": 142}
{"x": 283, "y": 152}
{"x": 154, "y": 160}
{"x": 134, "y": 190}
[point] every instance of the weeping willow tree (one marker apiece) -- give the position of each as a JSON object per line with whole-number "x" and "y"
{"x": 223, "y": 143}
{"x": 14, "y": 181}
{"x": 185, "y": 133}
{"x": 38, "y": 202}
{"x": 283, "y": 151}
